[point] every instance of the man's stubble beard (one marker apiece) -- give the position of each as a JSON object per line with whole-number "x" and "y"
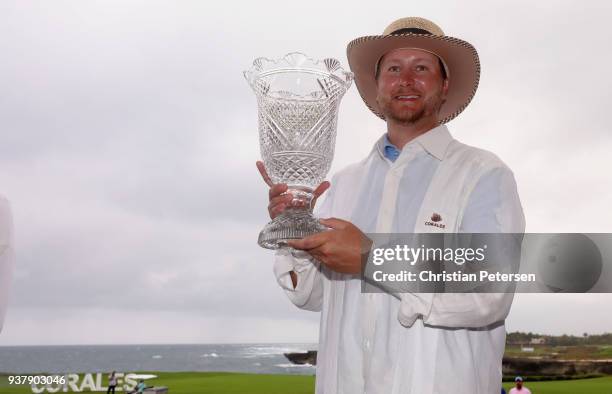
{"x": 431, "y": 107}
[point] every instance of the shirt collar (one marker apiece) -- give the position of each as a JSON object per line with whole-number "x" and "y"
{"x": 435, "y": 142}
{"x": 390, "y": 151}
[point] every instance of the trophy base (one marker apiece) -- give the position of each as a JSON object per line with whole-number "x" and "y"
{"x": 293, "y": 223}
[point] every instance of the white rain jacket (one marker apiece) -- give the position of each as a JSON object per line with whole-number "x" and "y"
{"x": 409, "y": 343}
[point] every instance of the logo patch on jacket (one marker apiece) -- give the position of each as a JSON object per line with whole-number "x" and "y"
{"x": 435, "y": 221}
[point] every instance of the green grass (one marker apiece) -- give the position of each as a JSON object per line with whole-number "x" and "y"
{"x": 239, "y": 383}
{"x": 605, "y": 352}
{"x": 210, "y": 382}
{"x": 591, "y": 352}
{"x": 234, "y": 383}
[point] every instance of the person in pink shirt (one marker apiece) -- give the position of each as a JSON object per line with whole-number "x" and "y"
{"x": 519, "y": 389}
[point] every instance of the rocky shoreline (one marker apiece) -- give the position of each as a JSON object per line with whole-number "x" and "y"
{"x": 310, "y": 357}
{"x": 511, "y": 365}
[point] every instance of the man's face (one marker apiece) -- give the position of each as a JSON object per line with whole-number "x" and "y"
{"x": 519, "y": 384}
{"x": 410, "y": 85}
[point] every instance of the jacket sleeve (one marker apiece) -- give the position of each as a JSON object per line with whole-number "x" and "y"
{"x": 6, "y": 256}
{"x": 308, "y": 293}
{"x": 493, "y": 207}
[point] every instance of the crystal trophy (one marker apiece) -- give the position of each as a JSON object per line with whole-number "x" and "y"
{"x": 298, "y": 99}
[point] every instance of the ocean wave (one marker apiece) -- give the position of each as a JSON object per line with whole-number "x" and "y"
{"x": 293, "y": 365}
{"x": 271, "y": 350}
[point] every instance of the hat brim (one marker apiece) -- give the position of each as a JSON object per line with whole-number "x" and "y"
{"x": 459, "y": 56}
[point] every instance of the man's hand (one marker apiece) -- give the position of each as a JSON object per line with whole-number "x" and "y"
{"x": 341, "y": 248}
{"x": 279, "y": 199}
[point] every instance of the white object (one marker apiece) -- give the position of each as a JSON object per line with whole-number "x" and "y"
{"x": 410, "y": 343}
{"x": 6, "y": 256}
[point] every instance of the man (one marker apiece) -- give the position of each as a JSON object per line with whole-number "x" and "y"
{"x": 519, "y": 389}
{"x": 112, "y": 382}
{"x": 416, "y": 79}
{"x": 140, "y": 387}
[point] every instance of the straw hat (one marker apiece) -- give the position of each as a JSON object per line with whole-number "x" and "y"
{"x": 459, "y": 58}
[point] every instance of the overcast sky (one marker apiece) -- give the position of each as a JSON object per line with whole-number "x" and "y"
{"x": 129, "y": 137}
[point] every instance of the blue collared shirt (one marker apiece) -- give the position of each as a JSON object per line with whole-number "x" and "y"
{"x": 391, "y": 151}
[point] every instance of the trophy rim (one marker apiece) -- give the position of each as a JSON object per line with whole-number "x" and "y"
{"x": 330, "y": 67}
{"x": 302, "y": 70}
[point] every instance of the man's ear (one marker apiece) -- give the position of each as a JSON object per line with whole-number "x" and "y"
{"x": 377, "y": 92}
{"x": 444, "y": 90}
{"x": 445, "y": 87}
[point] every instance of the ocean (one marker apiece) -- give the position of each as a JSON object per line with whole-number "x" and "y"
{"x": 253, "y": 358}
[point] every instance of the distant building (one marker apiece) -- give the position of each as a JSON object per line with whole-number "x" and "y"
{"x": 526, "y": 349}
{"x": 537, "y": 341}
